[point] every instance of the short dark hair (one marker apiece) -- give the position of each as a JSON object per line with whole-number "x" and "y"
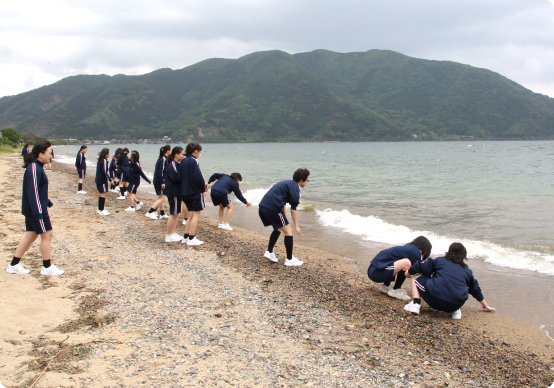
{"x": 236, "y": 176}
{"x": 424, "y": 245}
{"x": 457, "y": 253}
{"x": 301, "y": 174}
{"x": 191, "y": 147}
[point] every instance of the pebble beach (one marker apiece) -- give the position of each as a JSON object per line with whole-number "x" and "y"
{"x": 134, "y": 311}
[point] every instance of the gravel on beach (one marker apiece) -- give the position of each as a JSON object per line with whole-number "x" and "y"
{"x": 159, "y": 314}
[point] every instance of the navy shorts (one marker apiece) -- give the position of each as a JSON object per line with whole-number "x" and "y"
{"x": 81, "y": 173}
{"x": 194, "y": 203}
{"x": 125, "y": 177}
{"x": 273, "y": 218}
{"x": 381, "y": 275}
{"x": 219, "y": 198}
{"x": 174, "y": 205}
{"x": 158, "y": 188}
{"x": 132, "y": 188}
{"x": 434, "y": 302}
{"x": 38, "y": 226}
{"x": 102, "y": 187}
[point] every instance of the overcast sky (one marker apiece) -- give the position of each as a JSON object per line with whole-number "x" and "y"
{"x": 42, "y": 41}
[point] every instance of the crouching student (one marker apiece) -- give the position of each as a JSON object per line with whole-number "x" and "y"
{"x": 272, "y": 212}
{"x": 172, "y": 179}
{"x": 34, "y": 206}
{"x": 135, "y": 173}
{"x": 102, "y": 180}
{"x": 444, "y": 283}
{"x": 220, "y": 195}
{"x": 392, "y": 263}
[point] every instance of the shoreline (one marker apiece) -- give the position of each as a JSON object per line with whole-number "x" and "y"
{"x": 234, "y": 310}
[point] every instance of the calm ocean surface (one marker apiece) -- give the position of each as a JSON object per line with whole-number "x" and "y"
{"x": 497, "y": 198}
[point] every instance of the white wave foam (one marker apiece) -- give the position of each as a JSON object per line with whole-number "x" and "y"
{"x": 375, "y": 229}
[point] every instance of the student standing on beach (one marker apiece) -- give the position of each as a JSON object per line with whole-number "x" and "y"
{"x": 193, "y": 190}
{"x": 24, "y": 152}
{"x": 172, "y": 179}
{"x": 113, "y": 171}
{"x": 102, "y": 180}
{"x": 135, "y": 173}
{"x": 34, "y": 206}
{"x": 124, "y": 166}
{"x": 272, "y": 212}
{"x": 444, "y": 283}
{"x": 81, "y": 164}
{"x": 159, "y": 184}
{"x": 220, "y": 195}
{"x": 392, "y": 263}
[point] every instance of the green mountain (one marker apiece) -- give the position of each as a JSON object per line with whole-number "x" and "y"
{"x": 273, "y": 96}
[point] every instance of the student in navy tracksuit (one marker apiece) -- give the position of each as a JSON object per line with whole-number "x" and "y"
{"x": 272, "y": 212}
{"x": 102, "y": 180}
{"x": 135, "y": 173}
{"x": 159, "y": 184}
{"x": 124, "y": 167}
{"x": 172, "y": 179}
{"x": 48, "y": 166}
{"x": 81, "y": 164}
{"x": 225, "y": 185}
{"x": 444, "y": 283}
{"x": 34, "y": 206}
{"x": 193, "y": 190}
{"x": 24, "y": 151}
{"x": 113, "y": 171}
{"x": 393, "y": 262}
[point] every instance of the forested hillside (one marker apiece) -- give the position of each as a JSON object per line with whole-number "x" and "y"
{"x": 274, "y": 96}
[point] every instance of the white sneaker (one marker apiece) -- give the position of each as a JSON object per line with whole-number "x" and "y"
{"x": 130, "y": 209}
{"x": 126, "y": 193}
{"x": 81, "y": 192}
{"x": 398, "y": 294}
{"x": 184, "y": 222}
{"x": 17, "y": 269}
{"x": 219, "y": 226}
{"x": 98, "y": 211}
{"x": 173, "y": 238}
{"x": 457, "y": 314}
{"x": 152, "y": 216}
{"x": 384, "y": 289}
{"x": 226, "y": 227}
{"x": 294, "y": 262}
{"x": 164, "y": 216}
{"x": 271, "y": 256}
{"x": 104, "y": 213}
{"x": 412, "y": 307}
{"x": 52, "y": 271}
{"x": 193, "y": 242}
{"x": 139, "y": 205}
{"x": 121, "y": 197}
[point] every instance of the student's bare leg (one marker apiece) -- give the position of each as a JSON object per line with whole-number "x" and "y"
{"x": 25, "y": 243}
{"x": 229, "y": 211}
{"x": 172, "y": 224}
{"x": 45, "y": 244}
{"x": 221, "y": 213}
{"x": 190, "y": 228}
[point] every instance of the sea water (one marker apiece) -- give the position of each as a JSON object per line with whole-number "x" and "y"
{"x": 497, "y": 198}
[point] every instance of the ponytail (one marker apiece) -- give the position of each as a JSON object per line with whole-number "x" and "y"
{"x": 39, "y": 148}
{"x": 175, "y": 151}
{"x": 164, "y": 149}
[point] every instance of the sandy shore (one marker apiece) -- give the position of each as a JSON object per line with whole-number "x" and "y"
{"x": 135, "y": 311}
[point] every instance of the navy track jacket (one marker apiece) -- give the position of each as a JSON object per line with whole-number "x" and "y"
{"x": 34, "y": 201}
{"x": 81, "y": 162}
{"x": 280, "y": 194}
{"x": 135, "y": 173}
{"x": 102, "y": 173}
{"x": 172, "y": 180}
{"x": 448, "y": 281}
{"x": 389, "y": 256}
{"x": 161, "y": 165}
{"x": 192, "y": 180}
{"x": 225, "y": 185}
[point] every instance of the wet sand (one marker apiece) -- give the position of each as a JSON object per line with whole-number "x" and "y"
{"x": 135, "y": 311}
